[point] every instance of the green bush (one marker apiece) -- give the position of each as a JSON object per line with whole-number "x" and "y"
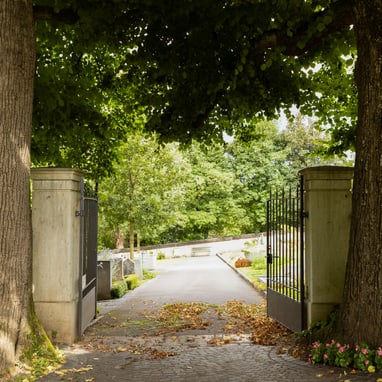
{"x": 148, "y": 275}
{"x": 118, "y": 289}
{"x": 131, "y": 281}
{"x": 259, "y": 263}
{"x": 161, "y": 256}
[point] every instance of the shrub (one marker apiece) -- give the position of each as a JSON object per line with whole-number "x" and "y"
{"x": 240, "y": 262}
{"x": 131, "y": 281}
{"x": 147, "y": 275}
{"x": 259, "y": 263}
{"x": 161, "y": 256}
{"x": 118, "y": 289}
{"x": 335, "y": 354}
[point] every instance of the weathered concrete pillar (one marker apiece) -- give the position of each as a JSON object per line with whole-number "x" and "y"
{"x": 56, "y": 250}
{"x": 327, "y": 226}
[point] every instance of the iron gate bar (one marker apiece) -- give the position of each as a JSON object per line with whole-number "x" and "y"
{"x": 80, "y": 215}
{"x": 87, "y": 304}
{"x": 302, "y": 254}
{"x": 285, "y": 250}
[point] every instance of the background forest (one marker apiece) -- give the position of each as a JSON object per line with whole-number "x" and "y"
{"x": 161, "y": 193}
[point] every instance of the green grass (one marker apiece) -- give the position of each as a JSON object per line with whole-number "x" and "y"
{"x": 257, "y": 269}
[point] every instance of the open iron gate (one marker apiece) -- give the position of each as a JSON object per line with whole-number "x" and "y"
{"x": 88, "y": 257}
{"x": 285, "y": 258}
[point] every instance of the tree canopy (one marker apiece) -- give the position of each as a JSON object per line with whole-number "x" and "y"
{"x": 248, "y": 58}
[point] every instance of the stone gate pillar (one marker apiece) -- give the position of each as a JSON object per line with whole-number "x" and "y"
{"x": 56, "y": 250}
{"x": 327, "y": 206}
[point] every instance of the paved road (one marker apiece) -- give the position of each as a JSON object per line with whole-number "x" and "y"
{"x": 125, "y": 346}
{"x": 204, "y": 279}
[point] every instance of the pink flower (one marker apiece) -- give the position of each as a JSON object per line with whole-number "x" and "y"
{"x": 326, "y": 356}
{"x": 379, "y": 352}
{"x": 364, "y": 351}
{"x": 341, "y": 349}
{"x": 366, "y": 362}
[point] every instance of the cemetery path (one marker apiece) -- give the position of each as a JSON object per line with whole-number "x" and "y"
{"x": 194, "y": 321}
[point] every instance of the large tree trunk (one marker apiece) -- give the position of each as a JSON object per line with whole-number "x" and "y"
{"x": 361, "y": 312}
{"x": 17, "y": 67}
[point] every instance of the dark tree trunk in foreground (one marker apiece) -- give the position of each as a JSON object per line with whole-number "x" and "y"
{"x": 361, "y": 312}
{"x": 17, "y": 65}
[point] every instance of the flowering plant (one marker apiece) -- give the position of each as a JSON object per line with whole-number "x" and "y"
{"x": 363, "y": 357}
{"x": 378, "y": 358}
{"x": 335, "y": 354}
{"x": 332, "y": 353}
{"x": 317, "y": 352}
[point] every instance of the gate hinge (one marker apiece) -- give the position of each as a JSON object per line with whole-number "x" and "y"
{"x": 79, "y": 213}
{"x": 305, "y": 214}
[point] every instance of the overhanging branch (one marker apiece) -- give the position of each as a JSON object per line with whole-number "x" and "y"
{"x": 67, "y": 16}
{"x": 343, "y": 17}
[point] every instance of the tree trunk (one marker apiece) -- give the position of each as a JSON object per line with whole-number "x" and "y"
{"x": 131, "y": 240}
{"x": 17, "y": 67}
{"x": 119, "y": 239}
{"x": 361, "y": 312}
{"x": 138, "y": 242}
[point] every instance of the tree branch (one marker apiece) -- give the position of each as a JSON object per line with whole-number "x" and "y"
{"x": 66, "y": 16}
{"x": 343, "y": 17}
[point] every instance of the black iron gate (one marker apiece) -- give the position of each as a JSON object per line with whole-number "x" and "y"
{"x": 88, "y": 257}
{"x": 285, "y": 258}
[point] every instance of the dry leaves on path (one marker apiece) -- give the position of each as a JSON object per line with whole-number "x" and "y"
{"x": 131, "y": 346}
{"x": 227, "y": 323}
{"x": 240, "y": 319}
{"x": 180, "y": 316}
{"x": 245, "y": 318}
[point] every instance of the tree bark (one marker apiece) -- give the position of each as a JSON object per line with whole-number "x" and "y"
{"x": 131, "y": 241}
{"x": 119, "y": 239}
{"x": 138, "y": 242}
{"x": 17, "y": 68}
{"x": 361, "y": 312}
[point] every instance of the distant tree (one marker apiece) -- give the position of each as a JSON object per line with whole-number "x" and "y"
{"x": 259, "y": 165}
{"x": 211, "y": 208}
{"x": 305, "y": 145}
{"x": 144, "y": 193}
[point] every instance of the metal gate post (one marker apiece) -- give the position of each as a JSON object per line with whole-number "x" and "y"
{"x": 303, "y": 215}
{"x": 80, "y": 214}
{"x": 87, "y": 284}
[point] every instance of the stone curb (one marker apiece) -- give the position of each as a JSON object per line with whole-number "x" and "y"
{"x": 243, "y": 276}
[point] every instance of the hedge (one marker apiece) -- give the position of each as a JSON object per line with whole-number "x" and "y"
{"x": 118, "y": 289}
{"x": 132, "y": 281}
